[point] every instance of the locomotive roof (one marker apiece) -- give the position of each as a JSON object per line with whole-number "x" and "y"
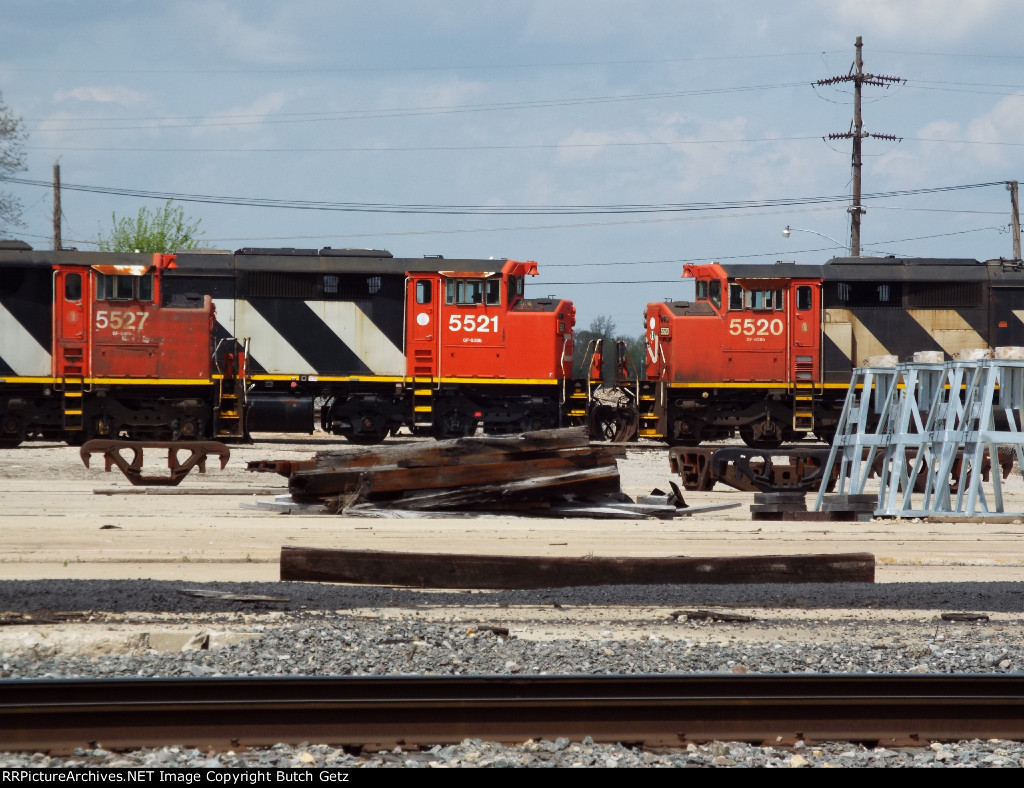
{"x": 214, "y": 262}
{"x": 326, "y": 260}
{"x": 852, "y": 269}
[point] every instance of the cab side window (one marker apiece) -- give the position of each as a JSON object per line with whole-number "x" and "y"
{"x": 124, "y": 287}
{"x": 73, "y": 287}
{"x": 804, "y": 302}
{"x": 715, "y": 293}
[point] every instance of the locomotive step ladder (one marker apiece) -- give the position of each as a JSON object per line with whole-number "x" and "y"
{"x": 72, "y": 387}
{"x": 231, "y": 398}
{"x": 73, "y": 419}
{"x": 579, "y": 399}
{"x": 649, "y": 427}
{"x": 422, "y": 402}
{"x": 803, "y": 407}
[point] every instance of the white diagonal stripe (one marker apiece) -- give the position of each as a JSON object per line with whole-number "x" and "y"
{"x": 948, "y": 329}
{"x": 268, "y": 347}
{"x": 19, "y": 348}
{"x": 225, "y": 314}
{"x": 361, "y": 335}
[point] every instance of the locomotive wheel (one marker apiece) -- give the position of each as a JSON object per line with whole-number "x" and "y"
{"x": 455, "y": 424}
{"x": 603, "y": 425}
{"x": 825, "y": 436}
{"x": 747, "y": 434}
{"x": 12, "y": 431}
{"x": 373, "y": 428}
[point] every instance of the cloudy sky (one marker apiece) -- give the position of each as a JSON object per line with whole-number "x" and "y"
{"x": 611, "y": 142}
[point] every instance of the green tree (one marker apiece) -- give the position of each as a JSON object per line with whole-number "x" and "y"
{"x": 12, "y": 160}
{"x": 166, "y": 229}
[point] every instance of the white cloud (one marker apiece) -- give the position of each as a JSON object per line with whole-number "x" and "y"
{"x": 102, "y": 95}
{"x": 937, "y": 22}
{"x": 219, "y": 25}
{"x": 948, "y": 151}
{"x": 243, "y": 118}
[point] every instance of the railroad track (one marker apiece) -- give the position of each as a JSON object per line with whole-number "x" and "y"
{"x": 372, "y": 712}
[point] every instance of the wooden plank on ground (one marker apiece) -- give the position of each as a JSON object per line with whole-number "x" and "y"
{"x": 455, "y": 450}
{"x": 384, "y": 479}
{"x": 603, "y": 480}
{"x": 437, "y": 570}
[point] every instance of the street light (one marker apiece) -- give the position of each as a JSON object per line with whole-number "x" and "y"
{"x": 787, "y": 230}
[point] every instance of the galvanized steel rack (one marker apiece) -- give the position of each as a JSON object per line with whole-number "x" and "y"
{"x": 947, "y": 432}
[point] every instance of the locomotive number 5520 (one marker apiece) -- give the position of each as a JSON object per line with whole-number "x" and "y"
{"x": 761, "y": 327}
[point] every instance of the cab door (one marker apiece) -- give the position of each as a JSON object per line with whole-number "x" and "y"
{"x": 423, "y": 336}
{"x": 804, "y": 306}
{"x": 72, "y": 315}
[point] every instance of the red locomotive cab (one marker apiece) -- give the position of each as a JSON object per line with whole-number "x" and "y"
{"x": 478, "y": 325}
{"x": 751, "y": 329}
{"x": 117, "y": 329}
{"x": 683, "y": 337}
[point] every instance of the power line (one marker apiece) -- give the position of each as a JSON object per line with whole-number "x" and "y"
{"x": 405, "y": 112}
{"x": 463, "y": 148}
{"x": 488, "y": 210}
{"x": 422, "y": 148}
{"x": 8, "y": 68}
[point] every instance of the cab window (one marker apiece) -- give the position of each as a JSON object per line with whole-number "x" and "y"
{"x": 715, "y": 293}
{"x": 493, "y": 291}
{"x": 472, "y": 291}
{"x": 73, "y": 287}
{"x": 764, "y": 300}
{"x": 804, "y": 301}
{"x": 124, "y": 287}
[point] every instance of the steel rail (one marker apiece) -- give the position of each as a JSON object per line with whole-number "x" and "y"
{"x": 383, "y": 712}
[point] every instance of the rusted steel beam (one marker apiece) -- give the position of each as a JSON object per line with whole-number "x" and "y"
{"x": 132, "y": 469}
{"x": 437, "y": 570}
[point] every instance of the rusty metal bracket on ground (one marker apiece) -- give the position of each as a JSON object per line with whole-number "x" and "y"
{"x": 112, "y": 455}
{"x": 751, "y": 470}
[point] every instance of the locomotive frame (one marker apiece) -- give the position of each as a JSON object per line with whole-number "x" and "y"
{"x": 769, "y": 350}
{"x": 219, "y": 344}
{"x": 377, "y": 342}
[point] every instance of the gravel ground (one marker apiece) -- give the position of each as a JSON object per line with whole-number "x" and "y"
{"x": 335, "y": 630}
{"x": 145, "y": 627}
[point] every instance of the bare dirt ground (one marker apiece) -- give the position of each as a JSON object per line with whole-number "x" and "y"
{"x": 60, "y": 519}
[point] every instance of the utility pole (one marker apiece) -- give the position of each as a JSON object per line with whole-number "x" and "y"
{"x": 1014, "y": 218}
{"x": 56, "y": 207}
{"x": 857, "y": 133}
